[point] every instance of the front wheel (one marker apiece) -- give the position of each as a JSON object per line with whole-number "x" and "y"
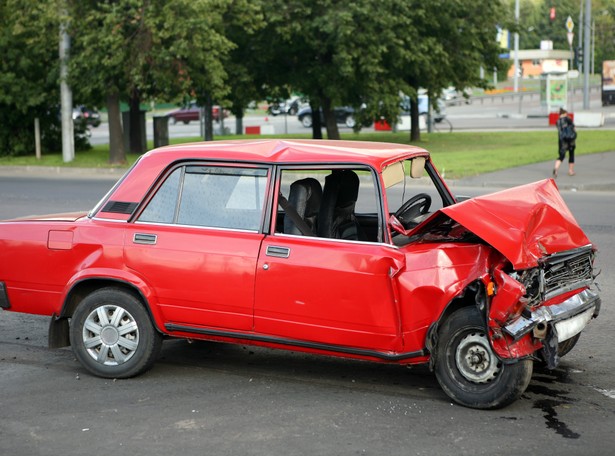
{"x": 306, "y": 121}
{"x": 112, "y": 335}
{"x": 469, "y": 371}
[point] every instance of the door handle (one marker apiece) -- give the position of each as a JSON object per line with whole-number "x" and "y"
{"x": 147, "y": 239}
{"x": 276, "y": 251}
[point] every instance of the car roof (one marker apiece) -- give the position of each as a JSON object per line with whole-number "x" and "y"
{"x": 136, "y": 182}
{"x": 289, "y": 151}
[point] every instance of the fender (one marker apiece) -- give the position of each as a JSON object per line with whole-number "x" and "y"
{"x": 126, "y": 277}
{"x": 507, "y": 303}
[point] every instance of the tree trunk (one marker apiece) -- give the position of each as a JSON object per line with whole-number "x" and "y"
{"x": 239, "y": 122}
{"x": 316, "y": 124}
{"x": 415, "y": 131}
{"x": 137, "y": 141}
{"x": 330, "y": 122}
{"x": 208, "y": 119}
{"x": 117, "y": 154}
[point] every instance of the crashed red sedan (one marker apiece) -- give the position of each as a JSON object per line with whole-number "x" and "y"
{"x": 351, "y": 249}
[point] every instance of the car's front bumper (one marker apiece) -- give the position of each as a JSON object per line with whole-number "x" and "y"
{"x": 568, "y": 318}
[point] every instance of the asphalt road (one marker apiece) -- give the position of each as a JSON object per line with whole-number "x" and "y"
{"x": 218, "y": 399}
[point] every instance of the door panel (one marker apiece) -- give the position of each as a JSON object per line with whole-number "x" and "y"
{"x": 327, "y": 291}
{"x": 201, "y": 277}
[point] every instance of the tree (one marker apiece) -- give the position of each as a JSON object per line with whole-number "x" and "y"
{"x": 29, "y": 72}
{"x": 453, "y": 39}
{"x": 329, "y": 51}
{"x": 136, "y": 50}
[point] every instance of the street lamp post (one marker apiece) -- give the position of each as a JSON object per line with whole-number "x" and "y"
{"x": 516, "y": 77}
{"x": 586, "y": 51}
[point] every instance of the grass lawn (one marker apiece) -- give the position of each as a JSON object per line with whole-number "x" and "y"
{"x": 458, "y": 154}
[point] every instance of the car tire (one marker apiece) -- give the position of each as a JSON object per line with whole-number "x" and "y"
{"x": 350, "y": 122}
{"x": 468, "y": 370}
{"x": 172, "y": 120}
{"x": 306, "y": 121}
{"x": 563, "y": 348}
{"x": 112, "y": 334}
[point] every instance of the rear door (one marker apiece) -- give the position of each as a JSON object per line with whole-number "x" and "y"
{"x": 196, "y": 244}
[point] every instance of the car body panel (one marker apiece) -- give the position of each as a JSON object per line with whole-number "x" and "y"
{"x": 328, "y": 291}
{"x": 200, "y": 276}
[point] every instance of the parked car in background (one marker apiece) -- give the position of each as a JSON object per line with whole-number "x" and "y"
{"x": 344, "y": 115}
{"x": 438, "y": 114}
{"x": 338, "y": 248}
{"x": 290, "y": 107}
{"x": 89, "y": 116}
{"x": 192, "y": 112}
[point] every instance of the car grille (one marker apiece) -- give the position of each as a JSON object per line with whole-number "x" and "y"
{"x": 558, "y": 274}
{"x": 568, "y": 272}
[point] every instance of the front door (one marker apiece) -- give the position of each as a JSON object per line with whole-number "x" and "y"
{"x": 331, "y": 292}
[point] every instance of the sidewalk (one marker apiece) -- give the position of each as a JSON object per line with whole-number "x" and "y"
{"x": 595, "y": 172}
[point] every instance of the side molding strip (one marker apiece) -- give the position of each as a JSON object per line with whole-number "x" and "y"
{"x": 298, "y": 343}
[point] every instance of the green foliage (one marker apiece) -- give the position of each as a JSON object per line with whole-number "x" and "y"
{"x": 361, "y": 53}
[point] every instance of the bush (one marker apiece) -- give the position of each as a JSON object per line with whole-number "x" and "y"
{"x": 17, "y": 132}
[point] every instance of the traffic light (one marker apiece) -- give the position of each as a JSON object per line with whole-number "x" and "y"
{"x": 578, "y": 57}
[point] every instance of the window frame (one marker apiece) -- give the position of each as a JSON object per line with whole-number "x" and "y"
{"x": 184, "y": 165}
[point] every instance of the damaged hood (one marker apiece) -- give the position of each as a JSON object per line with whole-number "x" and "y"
{"x": 523, "y": 223}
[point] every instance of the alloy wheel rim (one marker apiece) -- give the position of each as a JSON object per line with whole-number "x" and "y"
{"x": 110, "y": 335}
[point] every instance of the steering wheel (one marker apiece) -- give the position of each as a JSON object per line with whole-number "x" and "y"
{"x": 417, "y": 205}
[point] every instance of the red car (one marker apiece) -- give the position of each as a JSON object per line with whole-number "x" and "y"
{"x": 351, "y": 249}
{"x": 192, "y": 112}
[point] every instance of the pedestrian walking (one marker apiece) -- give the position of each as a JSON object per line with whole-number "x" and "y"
{"x": 566, "y": 141}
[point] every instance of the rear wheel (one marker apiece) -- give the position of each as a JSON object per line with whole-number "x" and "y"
{"x": 469, "y": 371}
{"x": 112, "y": 334}
{"x": 306, "y": 121}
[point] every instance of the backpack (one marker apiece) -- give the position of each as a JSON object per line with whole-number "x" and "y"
{"x": 568, "y": 133}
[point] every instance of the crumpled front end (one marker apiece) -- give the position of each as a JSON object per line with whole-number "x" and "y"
{"x": 538, "y": 293}
{"x": 541, "y": 307}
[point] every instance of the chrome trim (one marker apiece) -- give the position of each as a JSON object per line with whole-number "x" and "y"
{"x": 144, "y": 238}
{"x": 277, "y": 251}
{"x": 201, "y": 227}
{"x": 570, "y": 308}
{"x": 101, "y": 219}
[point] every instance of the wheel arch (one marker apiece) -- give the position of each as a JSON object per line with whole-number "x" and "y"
{"x": 59, "y": 328}
{"x": 474, "y": 294}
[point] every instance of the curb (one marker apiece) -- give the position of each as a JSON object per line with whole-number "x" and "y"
{"x": 59, "y": 171}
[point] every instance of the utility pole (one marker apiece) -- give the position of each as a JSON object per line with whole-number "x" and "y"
{"x": 66, "y": 95}
{"x": 586, "y": 52}
{"x": 516, "y": 78}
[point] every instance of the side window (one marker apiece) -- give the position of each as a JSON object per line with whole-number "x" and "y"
{"x": 161, "y": 209}
{"x": 210, "y": 196}
{"x": 333, "y": 203}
